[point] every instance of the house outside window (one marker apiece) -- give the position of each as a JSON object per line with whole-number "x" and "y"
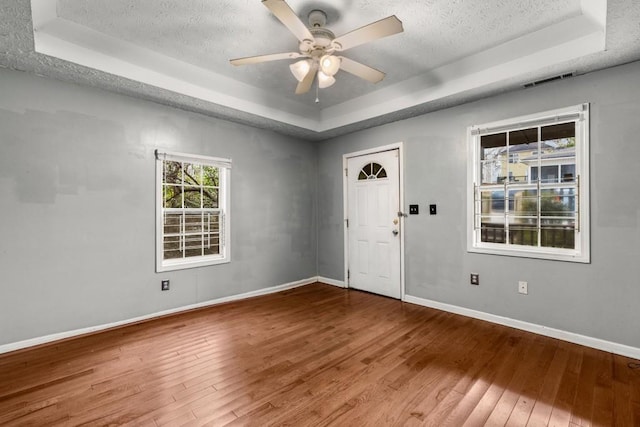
{"x": 192, "y": 211}
{"x": 529, "y": 186}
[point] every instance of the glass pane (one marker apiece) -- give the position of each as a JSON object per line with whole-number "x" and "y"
{"x": 367, "y": 170}
{"x": 523, "y": 203}
{"x": 558, "y": 156}
{"x": 192, "y": 197}
{"x": 213, "y": 249}
{"x": 534, "y": 174}
{"x": 172, "y": 224}
{"x": 558, "y": 202}
{"x": 212, "y": 244}
{"x": 375, "y": 168}
{"x": 492, "y": 229}
{"x": 549, "y": 174}
{"x": 523, "y": 149}
{"x": 172, "y": 248}
{"x": 193, "y": 223}
{"x": 493, "y": 158}
{"x": 210, "y": 176}
{"x": 362, "y": 176}
{"x": 382, "y": 173}
{"x": 492, "y": 202}
{"x": 192, "y": 174}
{"x": 568, "y": 173}
{"x": 523, "y": 231}
{"x": 172, "y": 196}
{"x": 209, "y": 198}
{"x": 172, "y": 172}
{"x": 558, "y": 233}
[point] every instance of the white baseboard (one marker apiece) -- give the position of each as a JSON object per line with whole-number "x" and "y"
{"x": 338, "y": 283}
{"x": 612, "y": 347}
{"x": 5, "y": 348}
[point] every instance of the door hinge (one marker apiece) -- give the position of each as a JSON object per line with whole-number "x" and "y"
{"x": 348, "y": 274}
{"x": 347, "y": 220}
{"x": 346, "y": 172}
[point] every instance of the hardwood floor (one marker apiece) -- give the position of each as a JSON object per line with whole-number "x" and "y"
{"x": 317, "y": 355}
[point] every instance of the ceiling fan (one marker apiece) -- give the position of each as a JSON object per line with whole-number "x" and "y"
{"x": 318, "y": 47}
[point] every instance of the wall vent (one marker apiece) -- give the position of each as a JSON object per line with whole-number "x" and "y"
{"x": 549, "y": 79}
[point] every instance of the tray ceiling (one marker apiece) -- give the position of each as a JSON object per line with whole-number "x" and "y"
{"x": 177, "y": 53}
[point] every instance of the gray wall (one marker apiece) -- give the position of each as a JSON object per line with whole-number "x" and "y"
{"x": 598, "y": 299}
{"x": 77, "y": 207}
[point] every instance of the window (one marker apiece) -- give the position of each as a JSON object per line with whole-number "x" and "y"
{"x": 529, "y": 186}
{"x": 372, "y": 171}
{"x": 192, "y": 213}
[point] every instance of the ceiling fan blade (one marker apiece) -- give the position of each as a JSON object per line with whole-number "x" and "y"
{"x": 305, "y": 84}
{"x": 288, "y": 17}
{"x": 265, "y": 58}
{"x": 361, "y": 70}
{"x": 377, "y": 30}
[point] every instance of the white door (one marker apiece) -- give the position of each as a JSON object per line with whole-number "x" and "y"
{"x": 373, "y": 225}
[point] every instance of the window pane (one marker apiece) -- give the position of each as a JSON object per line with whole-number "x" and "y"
{"x": 493, "y": 158}
{"x": 172, "y": 173}
{"x": 172, "y": 196}
{"x": 209, "y": 198}
{"x": 210, "y": 176}
{"x": 192, "y": 174}
{"x": 492, "y": 202}
{"x": 549, "y": 174}
{"x": 192, "y": 197}
{"x": 523, "y": 148}
{"x": 558, "y": 233}
{"x": 212, "y": 234}
{"x": 193, "y": 223}
{"x": 559, "y": 150}
{"x": 172, "y": 247}
{"x": 523, "y": 231}
{"x": 568, "y": 173}
{"x": 492, "y": 229}
{"x": 172, "y": 224}
{"x": 523, "y": 203}
{"x": 534, "y": 174}
{"x": 559, "y": 202}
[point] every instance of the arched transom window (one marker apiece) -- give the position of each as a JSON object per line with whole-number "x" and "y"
{"x": 372, "y": 171}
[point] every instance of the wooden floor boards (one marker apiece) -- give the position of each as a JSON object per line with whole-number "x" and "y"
{"x": 315, "y": 356}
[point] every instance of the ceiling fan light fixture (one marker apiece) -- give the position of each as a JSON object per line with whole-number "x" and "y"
{"x": 329, "y": 64}
{"x": 300, "y": 69}
{"x": 324, "y": 80}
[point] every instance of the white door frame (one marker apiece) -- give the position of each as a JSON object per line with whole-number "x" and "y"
{"x": 400, "y": 147}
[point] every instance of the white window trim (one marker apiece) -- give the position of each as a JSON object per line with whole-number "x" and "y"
{"x": 582, "y": 252}
{"x": 224, "y": 203}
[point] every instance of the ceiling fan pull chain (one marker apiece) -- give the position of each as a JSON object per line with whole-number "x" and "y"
{"x": 317, "y": 93}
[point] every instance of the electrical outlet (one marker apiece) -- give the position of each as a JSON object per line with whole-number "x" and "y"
{"x": 165, "y": 285}
{"x": 523, "y": 287}
{"x": 475, "y": 279}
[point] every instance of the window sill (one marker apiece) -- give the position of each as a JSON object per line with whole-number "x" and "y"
{"x": 559, "y": 255}
{"x": 191, "y": 263}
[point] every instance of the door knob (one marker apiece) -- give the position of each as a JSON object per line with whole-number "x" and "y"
{"x": 395, "y": 232}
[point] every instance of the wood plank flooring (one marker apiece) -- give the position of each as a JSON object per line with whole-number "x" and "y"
{"x": 315, "y": 356}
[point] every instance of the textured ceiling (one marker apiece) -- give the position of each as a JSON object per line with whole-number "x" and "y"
{"x": 450, "y": 52}
{"x": 208, "y": 34}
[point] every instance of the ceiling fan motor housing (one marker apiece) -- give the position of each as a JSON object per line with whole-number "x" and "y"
{"x": 317, "y": 18}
